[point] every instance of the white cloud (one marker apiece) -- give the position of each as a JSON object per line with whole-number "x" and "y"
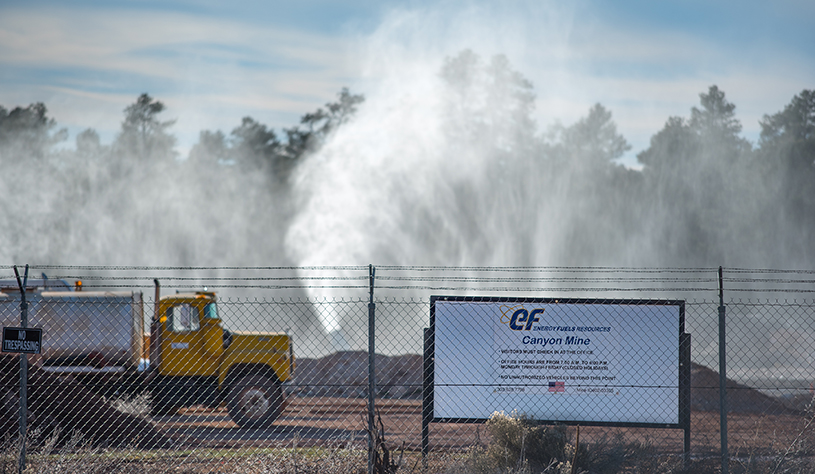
{"x": 645, "y": 76}
{"x": 87, "y": 65}
{"x": 133, "y": 41}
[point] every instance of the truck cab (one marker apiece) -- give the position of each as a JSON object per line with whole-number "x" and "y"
{"x": 195, "y": 361}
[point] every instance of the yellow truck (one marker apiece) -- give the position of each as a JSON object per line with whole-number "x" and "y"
{"x": 187, "y": 358}
{"x": 194, "y": 360}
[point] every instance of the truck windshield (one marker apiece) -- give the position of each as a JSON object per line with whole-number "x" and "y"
{"x": 211, "y": 311}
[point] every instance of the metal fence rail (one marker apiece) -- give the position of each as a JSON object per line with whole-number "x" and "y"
{"x": 90, "y": 391}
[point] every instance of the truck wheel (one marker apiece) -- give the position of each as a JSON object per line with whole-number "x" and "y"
{"x": 254, "y": 401}
{"x": 160, "y": 406}
{"x": 163, "y": 410}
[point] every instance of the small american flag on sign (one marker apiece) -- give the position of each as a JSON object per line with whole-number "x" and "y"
{"x": 556, "y": 387}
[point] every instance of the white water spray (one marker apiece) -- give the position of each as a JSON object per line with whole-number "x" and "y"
{"x": 395, "y": 186}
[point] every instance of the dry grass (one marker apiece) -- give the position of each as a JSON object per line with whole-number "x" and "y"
{"x": 354, "y": 461}
{"x": 516, "y": 446}
{"x": 138, "y": 405}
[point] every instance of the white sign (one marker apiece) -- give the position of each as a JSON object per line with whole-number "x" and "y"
{"x": 557, "y": 360}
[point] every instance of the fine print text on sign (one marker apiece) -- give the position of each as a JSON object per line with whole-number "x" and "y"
{"x": 22, "y": 340}
{"x": 586, "y": 361}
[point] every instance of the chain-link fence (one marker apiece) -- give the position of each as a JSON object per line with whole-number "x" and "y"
{"x": 145, "y": 368}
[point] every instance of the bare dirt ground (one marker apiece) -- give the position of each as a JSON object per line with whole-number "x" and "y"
{"x": 758, "y": 424}
{"x": 334, "y": 421}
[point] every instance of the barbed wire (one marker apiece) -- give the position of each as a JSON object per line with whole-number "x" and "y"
{"x": 418, "y": 268}
{"x": 174, "y": 278}
{"x": 437, "y": 278}
{"x": 187, "y": 268}
{"x": 548, "y": 269}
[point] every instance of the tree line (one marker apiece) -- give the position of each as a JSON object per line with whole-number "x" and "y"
{"x": 703, "y": 196}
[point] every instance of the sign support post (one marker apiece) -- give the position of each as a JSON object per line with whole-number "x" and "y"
{"x": 23, "y": 369}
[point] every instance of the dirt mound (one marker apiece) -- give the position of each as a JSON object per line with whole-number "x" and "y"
{"x": 345, "y": 374}
{"x": 61, "y": 403}
{"x": 704, "y": 395}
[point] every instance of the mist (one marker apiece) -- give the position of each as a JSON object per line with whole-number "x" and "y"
{"x": 446, "y": 161}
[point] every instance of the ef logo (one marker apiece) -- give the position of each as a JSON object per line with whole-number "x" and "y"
{"x": 519, "y": 318}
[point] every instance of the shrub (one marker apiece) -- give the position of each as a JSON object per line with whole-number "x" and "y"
{"x": 520, "y": 445}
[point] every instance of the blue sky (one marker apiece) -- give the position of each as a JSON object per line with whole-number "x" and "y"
{"x": 213, "y": 62}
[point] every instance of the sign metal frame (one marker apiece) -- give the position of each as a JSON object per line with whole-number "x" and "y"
{"x": 682, "y": 375}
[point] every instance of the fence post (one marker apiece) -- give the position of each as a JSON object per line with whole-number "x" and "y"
{"x": 23, "y": 370}
{"x": 427, "y": 407}
{"x": 684, "y": 391}
{"x": 371, "y": 370}
{"x": 723, "y": 375}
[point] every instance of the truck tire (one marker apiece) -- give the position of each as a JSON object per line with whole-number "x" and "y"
{"x": 161, "y": 406}
{"x": 254, "y": 401}
{"x": 163, "y": 410}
